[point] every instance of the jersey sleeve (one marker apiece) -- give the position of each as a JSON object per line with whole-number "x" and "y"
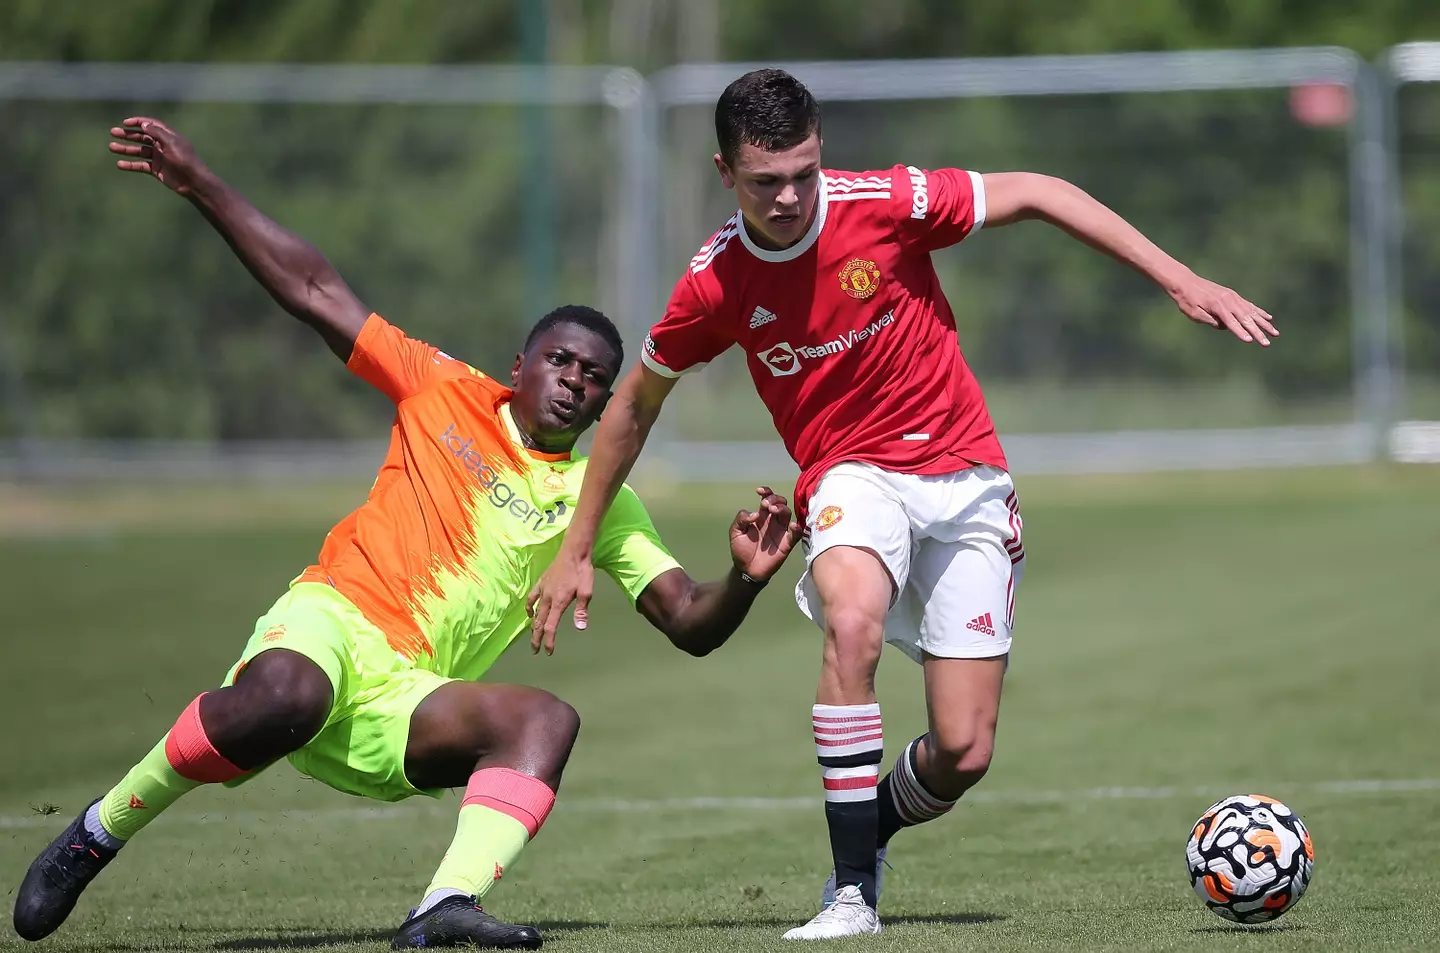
{"x": 398, "y": 365}
{"x": 935, "y": 209}
{"x": 628, "y": 548}
{"x": 689, "y": 336}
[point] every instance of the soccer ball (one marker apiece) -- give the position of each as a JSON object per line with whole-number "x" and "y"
{"x": 1250, "y": 858}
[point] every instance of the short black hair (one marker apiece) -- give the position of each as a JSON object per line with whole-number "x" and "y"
{"x": 585, "y": 317}
{"x": 767, "y": 108}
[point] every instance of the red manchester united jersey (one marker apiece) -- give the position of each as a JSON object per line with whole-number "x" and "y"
{"x": 849, "y": 339}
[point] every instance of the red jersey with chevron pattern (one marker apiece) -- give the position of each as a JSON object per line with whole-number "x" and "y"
{"x": 849, "y": 338}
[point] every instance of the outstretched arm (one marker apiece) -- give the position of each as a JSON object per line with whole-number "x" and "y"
{"x": 619, "y": 437}
{"x": 291, "y": 269}
{"x": 1018, "y": 196}
{"x": 699, "y": 617}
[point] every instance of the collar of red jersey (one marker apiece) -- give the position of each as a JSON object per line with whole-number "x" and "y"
{"x": 800, "y": 247}
{"x": 514, "y": 430}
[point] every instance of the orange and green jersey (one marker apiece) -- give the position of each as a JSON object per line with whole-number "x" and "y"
{"x": 463, "y": 518}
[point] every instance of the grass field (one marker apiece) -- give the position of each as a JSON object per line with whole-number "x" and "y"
{"x": 1180, "y": 638}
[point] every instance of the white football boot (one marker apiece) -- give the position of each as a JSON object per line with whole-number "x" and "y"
{"x": 827, "y": 894}
{"x": 848, "y": 915}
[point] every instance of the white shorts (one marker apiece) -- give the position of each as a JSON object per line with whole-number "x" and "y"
{"x": 951, "y": 543}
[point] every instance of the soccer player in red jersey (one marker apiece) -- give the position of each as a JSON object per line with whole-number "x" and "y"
{"x": 824, "y": 279}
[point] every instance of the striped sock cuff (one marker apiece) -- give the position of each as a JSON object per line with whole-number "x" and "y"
{"x": 849, "y": 745}
{"x": 848, "y": 735}
{"x": 844, "y": 785}
{"x": 913, "y": 802}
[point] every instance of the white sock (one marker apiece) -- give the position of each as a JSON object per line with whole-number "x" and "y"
{"x": 96, "y": 830}
{"x": 435, "y": 896}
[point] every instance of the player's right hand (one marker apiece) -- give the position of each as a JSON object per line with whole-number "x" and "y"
{"x": 570, "y": 579}
{"x": 156, "y": 149}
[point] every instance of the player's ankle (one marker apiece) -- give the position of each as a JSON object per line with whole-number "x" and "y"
{"x": 95, "y": 827}
{"x": 435, "y": 896}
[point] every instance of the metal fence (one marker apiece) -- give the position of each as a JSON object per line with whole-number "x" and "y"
{"x": 1087, "y": 368}
{"x": 1413, "y": 71}
{"x": 459, "y": 201}
{"x": 1068, "y": 343}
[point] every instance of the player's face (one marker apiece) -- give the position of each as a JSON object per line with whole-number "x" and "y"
{"x": 561, "y": 384}
{"x": 777, "y": 190}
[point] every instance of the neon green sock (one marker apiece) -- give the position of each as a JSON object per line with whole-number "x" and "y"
{"x": 182, "y": 761}
{"x": 149, "y": 788}
{"x": 486, "y": 843}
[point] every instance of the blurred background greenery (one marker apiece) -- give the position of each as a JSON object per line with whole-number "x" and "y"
{"x": 124, "y": 318}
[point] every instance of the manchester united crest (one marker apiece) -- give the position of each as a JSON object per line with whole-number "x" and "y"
{"x": 554, "y": 481}
{"x": 828, "y": 517}
{"x": 859, "y": 278}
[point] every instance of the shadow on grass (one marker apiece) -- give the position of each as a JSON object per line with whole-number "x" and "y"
{"x": 301, "y": 939}
{"x": 309, "y": 940}
{"x": 305, "y": 940}
{"x": 956, "y": 919}
{"x": 1254, "y": 929}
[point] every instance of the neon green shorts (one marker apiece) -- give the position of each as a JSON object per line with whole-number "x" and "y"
{"x": 361, "y": 749}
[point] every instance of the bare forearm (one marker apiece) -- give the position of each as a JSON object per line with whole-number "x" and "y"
{"x": 711, "y": 614}
{"x": 619, "y": 438}
{"x": 700, "y": 617}
{"x": 1018, "y": 196}
{"x": 1023, "y": 196}
{"x": 288, "y": 267}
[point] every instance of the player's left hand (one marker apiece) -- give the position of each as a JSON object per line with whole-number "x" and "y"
{"x": 156, "y": 149}
{"x": 762, "y": 538}
{"x": 1205, "y": 302}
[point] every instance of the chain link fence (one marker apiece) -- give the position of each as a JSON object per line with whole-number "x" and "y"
{"x": 463, "y": 201}
{"x": 1219, "y": 156}
{"x": 460, "y": 202}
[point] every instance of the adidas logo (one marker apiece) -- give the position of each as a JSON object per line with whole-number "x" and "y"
{"x": 136, "y": 804}
{"x": 982, "y": 624}
{"x": 760, "y": 316}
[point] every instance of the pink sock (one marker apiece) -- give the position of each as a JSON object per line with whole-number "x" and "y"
{"x": 520, "y": 796}
{"x": 190, "y": 753}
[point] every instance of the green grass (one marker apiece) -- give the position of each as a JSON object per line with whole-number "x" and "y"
{"x": 1191, "y": 635}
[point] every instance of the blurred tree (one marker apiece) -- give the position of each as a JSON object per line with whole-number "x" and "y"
{"x": 126, "y": 318}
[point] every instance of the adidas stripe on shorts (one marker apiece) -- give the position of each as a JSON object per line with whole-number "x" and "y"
{"x": 952, "y": 545}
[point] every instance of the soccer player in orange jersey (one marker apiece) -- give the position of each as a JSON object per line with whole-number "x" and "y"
{"x": 365, "y": 673}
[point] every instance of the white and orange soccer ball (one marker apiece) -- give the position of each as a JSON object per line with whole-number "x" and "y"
{"x": 1250, "y": 858}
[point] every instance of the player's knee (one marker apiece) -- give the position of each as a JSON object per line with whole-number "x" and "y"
{"x": 975, "y": 762}
{"x": 288, "y": 695}
{"x": 854, "y": 634}
{"x": 564, "y": 721}
{"x": 550, "y": 725}
{"x": 299, "y": 714}
{"x": 963, "y": 752}
{"x": 853, "y": 640}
